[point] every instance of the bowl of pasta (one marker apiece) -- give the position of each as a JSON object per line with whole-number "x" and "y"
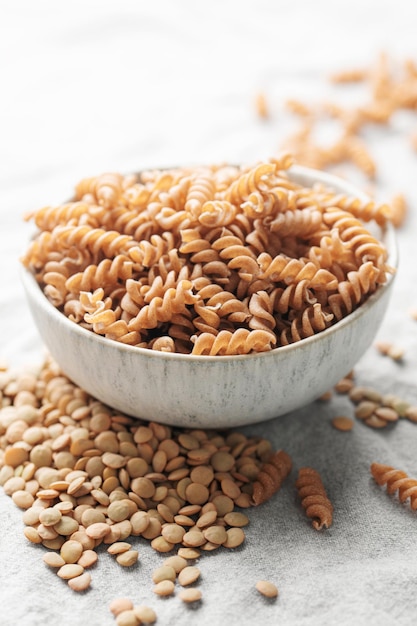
{"x": 210, "y": 296}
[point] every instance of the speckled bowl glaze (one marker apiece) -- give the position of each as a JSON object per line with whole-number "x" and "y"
{"x": 208, "y": 391}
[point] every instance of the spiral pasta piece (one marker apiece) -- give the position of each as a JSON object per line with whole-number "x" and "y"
{"x": 97, "y": 240}
{"x": 285, "y": 269}
{"x": 241, "y": 341}
{"x": 352, "y": 291}
{"x": 200, "y": 191}
{"x": 314, "y": 498}
{"x": 161, "y": 308}
{"x": 261, "y": 309}
{"x": 147, "y": 253}
{"x": 396, "y": 480}
{"x": 294, "y": 297}
{"x": 302, "y": 222}
{"x": 365, "y": 210}
{"x": 249, "y": 182}
{"x": 331, "y": 250}
{"x": 55, "y": 279}
{"x": 107, "y": 273}
{"x": 105, "y": 188}
{"x": 74, "y": 212}
{"x": 226, "y": 304}
{"x": 271, "y": 476}
{"x": 217, "y": 213}
{"x": 311, "y": 320}
{"x": 364, "y": 245}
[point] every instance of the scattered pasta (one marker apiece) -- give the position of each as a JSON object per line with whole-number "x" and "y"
{"x": 261, "y": 105}
{"x": 396, "y": 481}
{"x": 399, "y": 209}
{"x": 216, "y": 260}
{"x": 389, "y": 87}
{"x": 314, "y": 498}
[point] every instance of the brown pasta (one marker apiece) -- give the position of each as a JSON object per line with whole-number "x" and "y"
{"x": 399, "y": 210}
{"x": 261, "y": 105}
{"x": 271, "y": 476}
{"x": 390, "y": 87}
{"x": 314, "y": 498}
{"x": 213, "y": 260}
{"x": 396, "y": 480}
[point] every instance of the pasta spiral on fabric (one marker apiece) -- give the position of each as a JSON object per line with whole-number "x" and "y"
{"x": 314, "y": 498}
{"x": 210, "y": 260}
{"x": 396, "y": 481}
{"x": 271, "y": 476}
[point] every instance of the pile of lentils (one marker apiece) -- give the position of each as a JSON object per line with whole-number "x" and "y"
{"x": 85, "y": 474}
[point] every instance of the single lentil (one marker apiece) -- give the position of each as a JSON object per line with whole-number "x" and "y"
{"x": 343, "y": 423}
{"x": 164, "y": 588}
{"x": 190, "y": 595}
{"x": 266, "y": 588}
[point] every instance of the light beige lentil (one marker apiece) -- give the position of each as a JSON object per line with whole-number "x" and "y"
{"x": 127, "y": 618}
{"x": 70, "y": 570}
{"x": 23, "y": 499}
{"x": 222, "y": 461}
{"x": 32, "y": 535}
{"x": 411, "y": 413}
{"x": 118, "y": 547}
{"x": 236, "y": 518}
{"x": 13, "y": 484}
{"x": 71, "y": 551}
{"x": 193, "y": 539}
{"x": 386, "y": 413}
{"x": 15, "y": 456}
{"x": 176, "y": 562}
{"x": 173, "y": 533}
{"x": 128, "y": 558}
{"x": 365, "y": 409}
{"x": 66, "y": 525}
{"x": 31, "y": 516}
{"x": 160, "y": 544}
{"x": 207, "y": 519}
{"x": 234, "y": 537}
{"x": 189, "y": 553}
{"x": 53, "y": 559}
{"x": 343, "y": 423}
{"x": 344, "y": 385}
{"x": 190, "y": 595}
{"x": 188, "y": 575}
{"x": 215, "y": 534}
{"x": 80, "y": 583}
{"x": 50, "y": 516}
{"x": 145, "y": 614}
{"x": 266, "y": 588}
{"x": 97, "y": 530}
{"x": 223, "y": 504}
{"x": 164, "y": 588}
{"x": 375, "y": 422}
{"x": 88, "y": 558}
{"x": 120, "y": 604}
{"x": 165, "y": 572}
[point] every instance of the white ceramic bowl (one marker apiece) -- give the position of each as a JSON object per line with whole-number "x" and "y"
{"x": 209, "y": 391}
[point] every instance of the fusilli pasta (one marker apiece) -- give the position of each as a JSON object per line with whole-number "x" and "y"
{"x": 271, "y": 476}
{"x": 396, "y": 481}
{"x": 214, "y": 260}
{"x": 314, "y": 498}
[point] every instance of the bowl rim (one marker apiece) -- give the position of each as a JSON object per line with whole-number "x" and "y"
{"x": 33, "y": 288}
